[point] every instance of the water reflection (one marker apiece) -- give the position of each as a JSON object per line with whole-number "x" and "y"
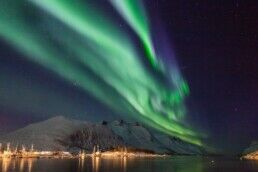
{"x": 126, "y": 164}
{"x": 5, "y": 164}
{"x": 21, "y": 164}
{"x": 95, "y": 164}
{"x": 18, "y": 165}
{"x": 81, "y": 164}
{"x": 30, "y": 164}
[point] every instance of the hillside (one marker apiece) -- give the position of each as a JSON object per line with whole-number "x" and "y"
{"x": 59, "y": 133}
{"x": 44, "y": 135}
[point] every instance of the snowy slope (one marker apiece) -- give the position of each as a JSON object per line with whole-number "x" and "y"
{"x": 44, "y": 135}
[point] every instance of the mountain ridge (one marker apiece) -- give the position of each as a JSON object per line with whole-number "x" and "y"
{"x": 60, "y": 133}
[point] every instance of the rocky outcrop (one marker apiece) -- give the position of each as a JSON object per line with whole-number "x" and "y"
{"x": 92, "y": 135}
{"x": 137, "y": 136}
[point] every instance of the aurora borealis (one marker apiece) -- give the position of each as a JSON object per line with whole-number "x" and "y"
{"x": 185, "y": 69}
{"x": 90, "y": 43}
{"x": 133, "y": 12}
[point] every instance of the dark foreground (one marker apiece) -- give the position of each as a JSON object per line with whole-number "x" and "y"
{"x": 173, "y": 164}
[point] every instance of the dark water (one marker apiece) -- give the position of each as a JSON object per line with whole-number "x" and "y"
{"x": 173, "y": 164}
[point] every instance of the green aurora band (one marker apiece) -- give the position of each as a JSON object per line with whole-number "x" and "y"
{"x": 134, "y": 13}
{"x": 82, "y": 45}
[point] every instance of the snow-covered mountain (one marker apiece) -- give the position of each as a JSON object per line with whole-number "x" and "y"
{"x": 59, "y": 133}
{"x": 44, "y": 135}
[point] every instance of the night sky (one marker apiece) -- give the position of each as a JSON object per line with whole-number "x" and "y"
{"x": 213, "y": 42}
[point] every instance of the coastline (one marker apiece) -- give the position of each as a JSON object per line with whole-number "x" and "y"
{"x": 23, "y": 153}
{"x": 251, "y": 156}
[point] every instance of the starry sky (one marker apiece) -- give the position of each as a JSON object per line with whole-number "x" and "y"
{"x": 209, "y": 47}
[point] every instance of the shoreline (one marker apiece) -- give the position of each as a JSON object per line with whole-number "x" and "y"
{"x": 68, "y": 155}
{"x": 251, "y": 156}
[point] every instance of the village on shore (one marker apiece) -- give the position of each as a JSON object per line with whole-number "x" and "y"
{"x": 251, "y": 156}
{"x": 7, "y": 152}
